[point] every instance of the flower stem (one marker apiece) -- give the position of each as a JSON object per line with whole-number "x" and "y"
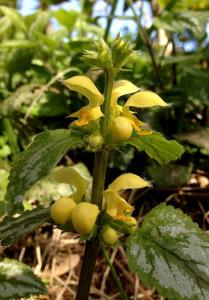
{"x": 114, "y": 275}
{"x": 100, "y": 166}
{"x": 106, "y": 108}
{"x": 92, "y": 246}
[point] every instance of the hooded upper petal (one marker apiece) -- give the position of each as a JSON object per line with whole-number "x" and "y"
{"x": 121, "y": 88}
{"x": 116, "y": 206}
{"x": 86, "y": 87}
{"x": 73, "y": 177}
{"x": 128, "y": 181}
{"x": 145, "y": 99}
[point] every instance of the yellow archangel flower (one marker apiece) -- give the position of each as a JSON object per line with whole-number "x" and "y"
{"x": 85, "y": 86}
{"x": 92, "y": 111}
{"x": 76, "y": 176}
{"x": 141, "y": 99}
{"x": 116, "y": 206}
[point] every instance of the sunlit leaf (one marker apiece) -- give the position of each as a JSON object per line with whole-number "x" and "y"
{"x": 171, "y": 253}
{"x": 157, "y": 147}
{"x": 66, "y": 18}
{"x": 14, "y": 16}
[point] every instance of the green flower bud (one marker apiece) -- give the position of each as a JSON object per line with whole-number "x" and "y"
{"x": 99, "y": 55}
{"x": 109, "y": 236}
{"x": 95, "y": 141}
{"x": 122, "y": 52}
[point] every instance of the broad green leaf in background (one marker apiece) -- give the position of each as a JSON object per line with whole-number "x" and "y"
{"x": 13, "y": 229}
{"x": 157, "y": 147}
{"x": 198, "y": 137}
{"x": 194, "y": 21}
{"x": 18, "y": 281}
{"x": 35, "y": 162}
{"x": 171, "y": 253}
{"x": 171, "y": 175}
{"x": 66, "y": 18}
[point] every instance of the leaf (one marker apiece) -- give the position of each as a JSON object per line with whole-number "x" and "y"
{"x": 25, "y": 44}
{"x": 5, "y": 25}
{"x": 171, "y": 253}
{"x": 170, "y": 175}
{"x": 157, "y": 147}
{"x": 14, "y": 16}
{"x": 198, "y": 138}
{"x": 25, "y": 94}
{"x": 17, "y": 281}
{"x": 13, "y": 229}
{"x": 66, "y": 18}
{"x": 35, "y": 162}
{"x": 194, "y": 21}
{"x": 40, "y": 23}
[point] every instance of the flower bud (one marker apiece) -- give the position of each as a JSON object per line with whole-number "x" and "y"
{"x": 84, "y": 217}
{"x": 95, "y": 140}
{"x": 61, "y": 210}
{"x": 121, "y": 129}
{"x": 133, "y": 224}
{"x": 109, "y": 236}
{"x": 122, "y": 52}
{"x": 99, "y": 55}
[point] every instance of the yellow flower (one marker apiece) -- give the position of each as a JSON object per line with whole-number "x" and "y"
{"x": 76, "y": 176}
{"x": 141, "y": 99}
{"x": 92, "y": 111}
{"x": 86, "y": 87}
{"x": 116, "y": 206}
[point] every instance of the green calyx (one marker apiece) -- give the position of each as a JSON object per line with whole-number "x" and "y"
{"x": 115, "y": 56}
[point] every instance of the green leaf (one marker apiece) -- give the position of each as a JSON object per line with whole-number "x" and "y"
{"x": 25, "y": 44}
{"x": 35, "y": 162}
{"x": 194, "y": 21}
{"x": 14, "y": 16}
{"x": 171, "y": 253}
{"x": 66, "y": 18}
{"x": 157, "y": 147}
{"x": 198, "y": 137}
{"x": 17, "y": 281}
{"x": 13, "y": 229}
{"x": 169, "y": 175}
{"x": 40, "y": 23}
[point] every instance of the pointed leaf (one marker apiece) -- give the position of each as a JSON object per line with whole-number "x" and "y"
{"x": 171, "y": 253}
{"x": 13, "y": 229}
{"x": 15, "y": 17}
{"x": 35, "y": 162}
{"x": 25, "y": 44}
{"x": 17, "y": 281}
{"x": 157, "y": 147}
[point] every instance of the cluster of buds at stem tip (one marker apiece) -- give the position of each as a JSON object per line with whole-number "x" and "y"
{"x": 119, "y": 53}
